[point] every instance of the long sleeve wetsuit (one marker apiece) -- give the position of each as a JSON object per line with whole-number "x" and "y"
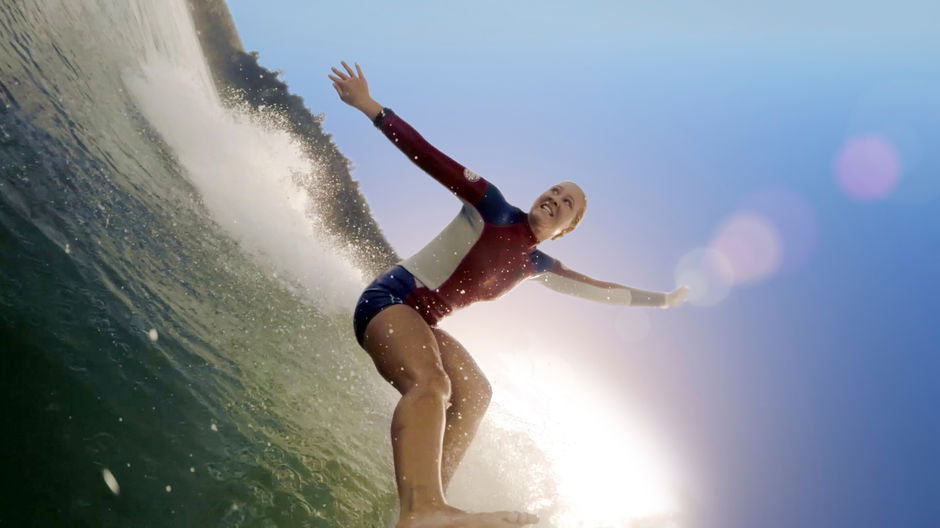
{"x": 488, "y": 248}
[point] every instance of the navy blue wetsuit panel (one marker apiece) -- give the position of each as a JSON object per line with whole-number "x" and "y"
{"x": 391, "y": 288}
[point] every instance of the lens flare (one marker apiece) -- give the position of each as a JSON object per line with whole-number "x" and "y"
{"x": 608, "y": 469}
{"x": 793, "y": 219}
{"x": 560, "y": 440}
{"x": 751, "y": 244}
{"x": 867, "y": 168}
{"x": 905, "y": 113}
{"x": 707, "y": 273}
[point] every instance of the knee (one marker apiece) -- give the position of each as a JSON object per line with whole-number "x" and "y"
{"x": 477, "y": 399}
{"x": 433, "y": 381}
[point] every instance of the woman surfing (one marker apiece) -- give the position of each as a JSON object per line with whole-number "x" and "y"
{"x": 484, "y": 252}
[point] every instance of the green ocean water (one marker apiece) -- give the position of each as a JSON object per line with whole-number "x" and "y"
{"x": 141, "y": 337}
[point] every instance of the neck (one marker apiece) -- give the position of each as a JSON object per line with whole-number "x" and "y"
{"x": 540, "y": 234}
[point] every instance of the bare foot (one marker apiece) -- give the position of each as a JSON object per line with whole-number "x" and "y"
{"x": 454, "y": 518}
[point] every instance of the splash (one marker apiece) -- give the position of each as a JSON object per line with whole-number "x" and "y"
{"x": 253, "y": 179}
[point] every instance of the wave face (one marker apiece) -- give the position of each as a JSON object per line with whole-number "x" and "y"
{"x": 174, "y": 315}
{"x": 176, "y": 298}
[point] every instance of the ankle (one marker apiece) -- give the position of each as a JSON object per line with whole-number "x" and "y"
{"x": 422, "y": 499}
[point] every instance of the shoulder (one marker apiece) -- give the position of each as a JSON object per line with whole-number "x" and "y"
{"x": 494, "y": 208}
{"x": 541, "y": 262}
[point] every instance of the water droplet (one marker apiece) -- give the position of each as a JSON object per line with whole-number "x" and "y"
{"x": 169, "y": 488}
{"x": 111, "y": 481}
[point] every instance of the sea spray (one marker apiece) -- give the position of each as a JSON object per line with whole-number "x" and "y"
{"x": 253, "y": 178}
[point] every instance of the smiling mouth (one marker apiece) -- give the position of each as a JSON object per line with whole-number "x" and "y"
{"x": 545, "y": 207}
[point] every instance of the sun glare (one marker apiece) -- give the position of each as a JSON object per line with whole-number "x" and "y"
{"x": 609, "y": 470}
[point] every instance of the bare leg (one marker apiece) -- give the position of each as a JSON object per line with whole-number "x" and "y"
{"x": 470, "y": 396}
{"x": 406, "y": 352}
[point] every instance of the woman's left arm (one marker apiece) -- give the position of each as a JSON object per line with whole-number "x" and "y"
{"x": 556, "y": 276}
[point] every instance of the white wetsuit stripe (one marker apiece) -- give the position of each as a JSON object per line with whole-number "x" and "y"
{"x": 436, "y": 261}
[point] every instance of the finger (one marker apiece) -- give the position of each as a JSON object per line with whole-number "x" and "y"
{"x": 340, "y": 74}
{"x": 358, "y": 69}
{"x": 348, "y": 69}
{"x": 335, "y": 79}
{"x": 336, "y": 87}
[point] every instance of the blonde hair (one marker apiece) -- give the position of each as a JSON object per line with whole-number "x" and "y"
{"x": 574, "y": 221}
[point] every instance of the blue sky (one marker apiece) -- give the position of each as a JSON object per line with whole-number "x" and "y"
{"x": 806, "y": 396}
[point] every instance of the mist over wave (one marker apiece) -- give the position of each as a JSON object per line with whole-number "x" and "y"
{"x": 252, "y": 177}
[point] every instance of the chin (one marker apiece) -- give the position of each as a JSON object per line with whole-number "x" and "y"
{"x": 541, "y": 218}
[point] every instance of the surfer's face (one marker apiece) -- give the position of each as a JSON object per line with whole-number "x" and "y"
{"x": 554, "y": 212}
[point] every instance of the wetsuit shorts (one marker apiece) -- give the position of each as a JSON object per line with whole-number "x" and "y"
{"x": 391, "y": 288}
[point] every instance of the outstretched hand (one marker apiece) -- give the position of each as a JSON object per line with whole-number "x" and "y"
{"x": 354, "y": 90}
{"x": 351, "y": 86}
{"x": 676, "y": 297}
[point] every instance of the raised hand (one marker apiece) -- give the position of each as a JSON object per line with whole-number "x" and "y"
{"x": 351, "y": 86}
{"x": 354, "y": 90}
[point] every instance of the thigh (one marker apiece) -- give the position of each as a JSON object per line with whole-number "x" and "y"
{"x": 466, "y": 378}
{"x": 403, "y": 347}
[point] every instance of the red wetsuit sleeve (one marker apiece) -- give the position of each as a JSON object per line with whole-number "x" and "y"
{"x": 466, "y": 184}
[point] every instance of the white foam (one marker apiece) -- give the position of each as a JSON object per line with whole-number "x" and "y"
{"x": 251, "y": 176}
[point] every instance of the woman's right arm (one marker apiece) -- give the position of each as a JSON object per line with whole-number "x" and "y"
{"x": 354, "y": 91}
